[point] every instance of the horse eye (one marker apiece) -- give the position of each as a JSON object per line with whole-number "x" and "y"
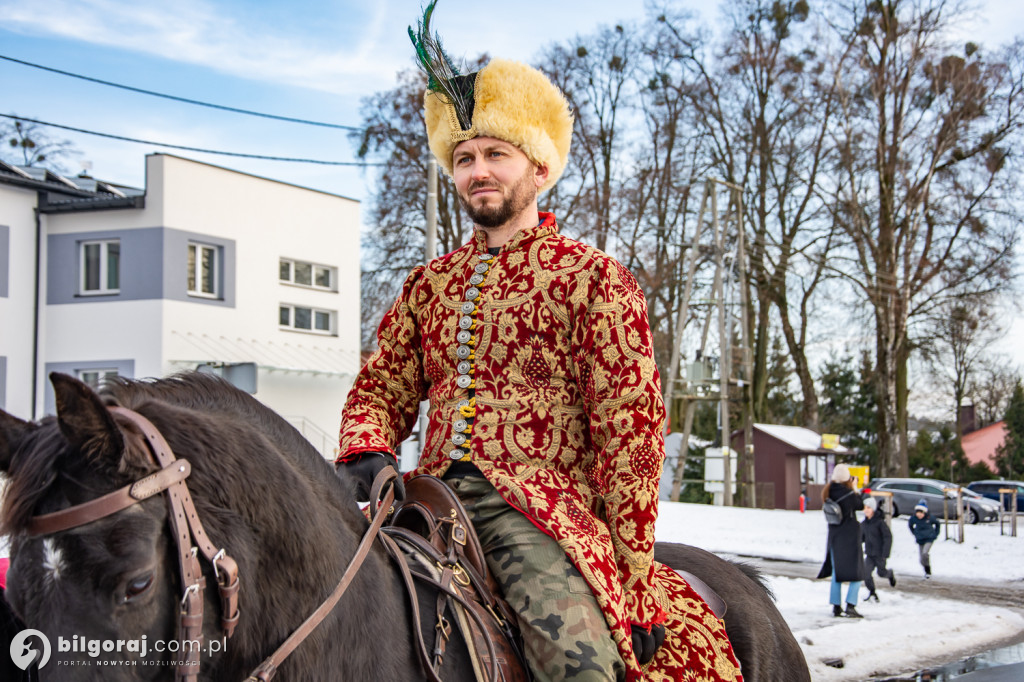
{"x": 138, "y": 586}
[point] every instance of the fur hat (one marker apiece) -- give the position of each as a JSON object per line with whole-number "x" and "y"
{"x": 922, "y": 506}
{"x": 512, "y": 102}
{"x": 871, "y": 503}
{"x": 505, "y": 100}
{"x": 841, "y": 474}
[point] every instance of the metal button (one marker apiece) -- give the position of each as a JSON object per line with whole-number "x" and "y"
{"x": 460, "y": 425}
{"x": 482, "y": 268}
{"x": 459, "y": 439}
{"x": 468, "y": 308}
{"x": 476, "y": 279}
{"x": 463, "y": 352}
{"x": 485, "y": 256}
{"x": 472, "y": 294}
{"x": 465, "y": 366}
{"x": 461, "y": 404}
{"x": 466, "y": 322}
{"x": 457, "y": 454}
{"x": 463, "y": 336}
{"x": 464, "y": 381}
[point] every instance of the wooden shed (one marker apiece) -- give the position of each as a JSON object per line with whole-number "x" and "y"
{"x": 788, "y": 461}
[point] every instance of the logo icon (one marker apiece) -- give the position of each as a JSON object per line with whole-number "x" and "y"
{"x": 24, "y": 654}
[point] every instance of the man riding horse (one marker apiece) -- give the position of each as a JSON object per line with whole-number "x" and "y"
{"x": 546, "y": 414}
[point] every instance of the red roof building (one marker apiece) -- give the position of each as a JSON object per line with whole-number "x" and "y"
{"x": 981, "y": 445}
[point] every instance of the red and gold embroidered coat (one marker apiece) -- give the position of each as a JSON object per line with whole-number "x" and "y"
{"x": 538, "y": 364}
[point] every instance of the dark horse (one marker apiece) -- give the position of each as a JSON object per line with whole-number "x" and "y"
{"x": 275, "y": 504}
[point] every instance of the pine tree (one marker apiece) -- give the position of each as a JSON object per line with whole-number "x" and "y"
{"x": 1010, "y": 455}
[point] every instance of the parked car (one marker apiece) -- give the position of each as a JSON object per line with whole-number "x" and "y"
{"x": 907, "y": 492}
{"x": 990, "y": 489}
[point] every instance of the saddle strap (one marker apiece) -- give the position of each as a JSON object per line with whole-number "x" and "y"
{"x": 446, "y": 592}
{"x": 710, "y": 597}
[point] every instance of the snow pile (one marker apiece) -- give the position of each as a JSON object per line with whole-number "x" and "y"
{"x": 901, "y": 633}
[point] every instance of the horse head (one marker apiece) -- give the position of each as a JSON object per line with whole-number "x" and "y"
{"x": 107, "y": 581}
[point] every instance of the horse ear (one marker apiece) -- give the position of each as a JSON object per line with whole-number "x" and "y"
{"x": 11, "y": 431}
{"x": 84, "y": 420}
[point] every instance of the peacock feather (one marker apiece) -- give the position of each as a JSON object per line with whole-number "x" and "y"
{"x": 442, "y": 75}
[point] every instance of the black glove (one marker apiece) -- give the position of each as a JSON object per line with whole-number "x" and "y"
{"x": 364, "y": 470}
{"x": 646, "y": 643}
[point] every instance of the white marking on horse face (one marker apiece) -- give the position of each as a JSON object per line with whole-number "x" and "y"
{"x": 53, "y": 559}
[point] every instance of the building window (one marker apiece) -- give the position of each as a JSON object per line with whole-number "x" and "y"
{"x": 100, "y": 267}
{"x": 308, "y": 274}
{"x": 305, "y": 319}
{"x": 95, "y": 377}
{"x": 203, "y": 270}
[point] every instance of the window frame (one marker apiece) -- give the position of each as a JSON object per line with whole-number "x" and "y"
{"x": 332, "y": 319}
{"x": 104, "y": 267}
{"x": 102, "y": 373}
{"x": 332, "y": 272}
{"x": 198, "y": 247}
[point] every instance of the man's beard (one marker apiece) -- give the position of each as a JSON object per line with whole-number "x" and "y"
{"x": 518, "y": 199}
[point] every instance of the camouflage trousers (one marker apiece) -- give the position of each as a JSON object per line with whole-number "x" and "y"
{"x": 564, "y": 631}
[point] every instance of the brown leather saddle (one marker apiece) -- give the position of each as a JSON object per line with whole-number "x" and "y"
{"x": 438, "y": 542}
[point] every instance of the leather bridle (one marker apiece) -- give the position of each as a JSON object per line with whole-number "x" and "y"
{"x": 191, "y": 539}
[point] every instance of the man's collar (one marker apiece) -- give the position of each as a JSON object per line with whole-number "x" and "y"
{"x": 546, "y": 226}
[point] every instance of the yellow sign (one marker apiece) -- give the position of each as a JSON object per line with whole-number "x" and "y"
{"x": 860, "y": 476}
{"x": 829, "y": 441}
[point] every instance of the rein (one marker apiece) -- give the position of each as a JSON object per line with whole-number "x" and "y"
{"x": 186, "y": 525}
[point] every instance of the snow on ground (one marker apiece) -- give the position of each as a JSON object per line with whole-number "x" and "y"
{"x": 901, "y": 633}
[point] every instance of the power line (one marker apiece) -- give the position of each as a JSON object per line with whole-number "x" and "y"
{"x": 180, "y": 99}
{"x": 190, "y": 149}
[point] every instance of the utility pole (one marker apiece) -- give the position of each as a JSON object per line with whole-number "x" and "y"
{"x": 429, "y": 253}
{"x": 728, "y": 252}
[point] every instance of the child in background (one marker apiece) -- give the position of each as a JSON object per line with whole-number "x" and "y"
{"x": 877, "y": 545}
{"x": 925, "y": 530}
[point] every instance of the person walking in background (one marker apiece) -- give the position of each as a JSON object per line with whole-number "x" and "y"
{"x": 877, "y": 545}
{"x": 925, "y": 530}
{"x": 843, "y": 558}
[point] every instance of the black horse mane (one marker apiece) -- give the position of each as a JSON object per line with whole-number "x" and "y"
{"x": 205, "y": 393}
{"x": 206, "y": 397}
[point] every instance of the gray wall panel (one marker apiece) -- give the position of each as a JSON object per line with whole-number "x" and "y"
{"x": 176, "y": 273}
{"x": 154, "y": 265}
{"x": 5, "y": 260}
{"x": 141, "y": 265}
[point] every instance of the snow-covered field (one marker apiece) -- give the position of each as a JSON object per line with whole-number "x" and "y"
{"x": 901, "y": 633}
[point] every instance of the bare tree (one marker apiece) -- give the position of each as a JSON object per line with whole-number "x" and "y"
{"x": 28, "y": 144}
{"x": 596, "y": 75}
{"x": 959, "y": 336}
{"x": 922, "y": 151}
{"x": 393, "y": 135}
{"x": 991, "y": 385}
{"x": 765, "y": 105}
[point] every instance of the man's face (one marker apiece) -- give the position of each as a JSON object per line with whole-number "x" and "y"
{"x": 495, "y": 180}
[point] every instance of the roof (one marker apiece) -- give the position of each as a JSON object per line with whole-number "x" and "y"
{"x": 284, "y": 357}
{"x": 798, "y": 437}
{"x": 981, "y": 445}
{"x": 60, "y": 194}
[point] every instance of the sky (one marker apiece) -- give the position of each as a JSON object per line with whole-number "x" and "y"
{"x": 301, "y": 59}
{"x": 904, "y": 631}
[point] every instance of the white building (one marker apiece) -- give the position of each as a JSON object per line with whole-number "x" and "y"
{"x": 207, "y": 266}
